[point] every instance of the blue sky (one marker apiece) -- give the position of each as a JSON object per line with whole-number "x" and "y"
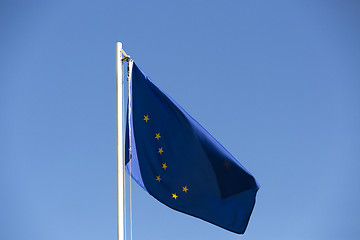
{"x": 276, "y": 82}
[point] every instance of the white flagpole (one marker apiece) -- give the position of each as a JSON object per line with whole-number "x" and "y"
{"x": 120, "y": 141}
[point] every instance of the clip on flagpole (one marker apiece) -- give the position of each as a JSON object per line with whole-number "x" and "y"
{"x": 125, "y": 57}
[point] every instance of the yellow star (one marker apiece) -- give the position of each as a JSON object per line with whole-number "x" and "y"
{"x": 174, "y": 195}
{"x": 157, "y": 136}
{"x": 164, "y": 166}
{"x": 146, "y": 118}
{"x": 158, "y": 178}
{"x": 185, "y": 189}
{"x": 160, "y": 151}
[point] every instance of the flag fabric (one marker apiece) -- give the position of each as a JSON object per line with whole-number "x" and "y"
{"x": 180, "y": 164}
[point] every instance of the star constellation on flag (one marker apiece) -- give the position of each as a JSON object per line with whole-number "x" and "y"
{"x": 164, "y": 166}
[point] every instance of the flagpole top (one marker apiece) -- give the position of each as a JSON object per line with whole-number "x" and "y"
{"x": 125, "y": 57}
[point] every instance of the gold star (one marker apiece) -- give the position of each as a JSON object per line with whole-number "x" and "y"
{"x": 174, "y": 195}
{"x": 160, "y": 151}
{"x": 158, "y": 178}
{"x": 164, "y": 166}
{"x": 146, "y": 118}
{"x": 157, "y": 136}
{"x": 185, "y": 189}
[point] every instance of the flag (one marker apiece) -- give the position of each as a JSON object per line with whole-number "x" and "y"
{"x": 180, "y": 164}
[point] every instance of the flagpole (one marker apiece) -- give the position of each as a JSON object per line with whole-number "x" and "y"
{"x": 120, "y": 140}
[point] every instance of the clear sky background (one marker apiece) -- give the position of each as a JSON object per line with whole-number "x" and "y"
{"x": 276, "y": 82}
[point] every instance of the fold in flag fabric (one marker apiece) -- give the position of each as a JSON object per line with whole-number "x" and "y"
{"x": 180, "y": 164}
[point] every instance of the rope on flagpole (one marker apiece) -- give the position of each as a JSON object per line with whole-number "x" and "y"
{"x": 124, "y": 184}
{"x": 129, "y": 70}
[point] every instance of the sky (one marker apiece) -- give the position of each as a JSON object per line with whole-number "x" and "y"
{"x": 277, "y": 83}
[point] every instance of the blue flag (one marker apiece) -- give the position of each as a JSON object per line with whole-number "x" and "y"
{"x": 180, "y": 164}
